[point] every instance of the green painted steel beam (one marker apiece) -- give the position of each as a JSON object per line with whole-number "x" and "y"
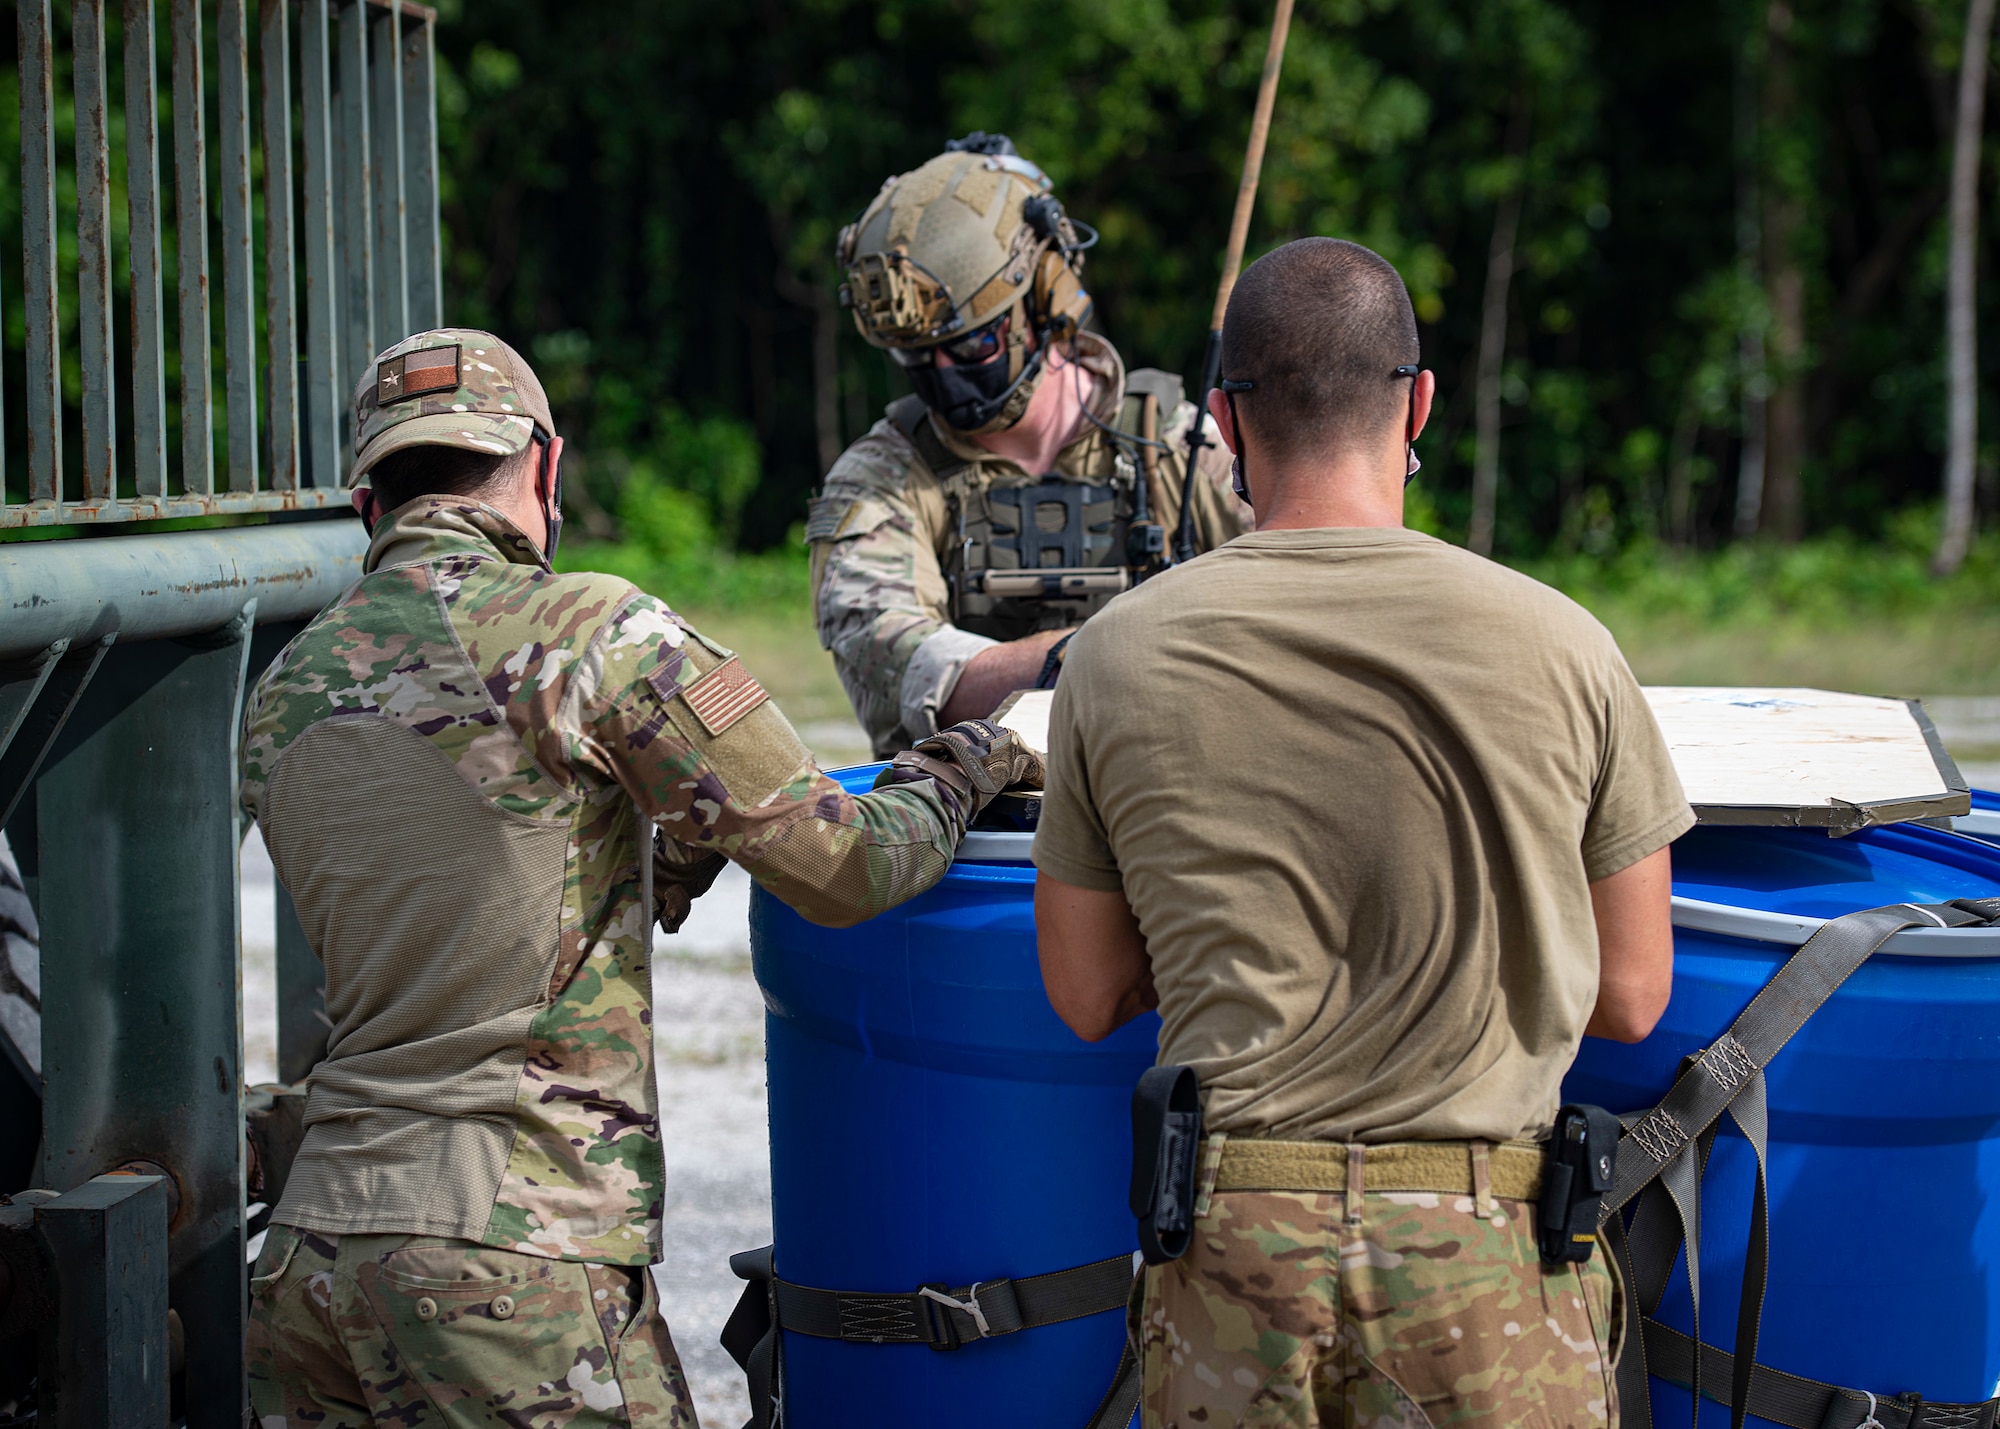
{"x": 141, "y": 1000}
{"x": 175, "y": 584}
{"x": 104, "y": 1359}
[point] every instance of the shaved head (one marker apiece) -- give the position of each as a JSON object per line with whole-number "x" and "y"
{"x": 1319, "y": 325}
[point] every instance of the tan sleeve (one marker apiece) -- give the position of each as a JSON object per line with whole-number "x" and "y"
{"x": 704, "y": 752}
{"x": 878, "y": 591}
{"x": 1071, "y": 845}
{"x": 1637, "y": 806}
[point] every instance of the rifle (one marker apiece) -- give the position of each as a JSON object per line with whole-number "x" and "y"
{"x": 1232, "y": 262}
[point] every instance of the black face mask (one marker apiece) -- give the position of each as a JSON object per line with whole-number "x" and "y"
{"x": 969, "y": 397}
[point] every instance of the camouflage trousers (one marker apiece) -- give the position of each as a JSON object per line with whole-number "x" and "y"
{"x": 1425, "y": 1313}
{"x": 358, "y": 1330}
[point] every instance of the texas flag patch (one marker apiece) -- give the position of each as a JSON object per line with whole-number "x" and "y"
{"x": 724, "y": 695}
{"x": 429, "y": 369}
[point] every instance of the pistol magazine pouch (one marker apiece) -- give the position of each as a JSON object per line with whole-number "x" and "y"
{"x": 1582, "y": 1162}
{"x": 1166, "y": 1146}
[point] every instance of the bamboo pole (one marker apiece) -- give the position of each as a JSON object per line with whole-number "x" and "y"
{"x": 1232, "y": 263}
{"x": 1961, "y": 306}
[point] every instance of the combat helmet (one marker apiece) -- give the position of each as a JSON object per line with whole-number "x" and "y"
{"x": 970, "y": 253}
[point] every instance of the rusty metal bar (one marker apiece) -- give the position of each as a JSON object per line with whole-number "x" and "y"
{"x": 163, "y": 586}
{"x": 385, "y": 159}
{"x": 142, "y": 202}
{"x": 93, "y": 254}
{"x": 281, "y": 323}
{"x": 191, "y": 233}
{"x": 420, "y": 175}
{"x": 38, "y": 243}
{"x": 358, "y": 345}
{"x": 239, "y": 280}
{"x": 323, "y": 397}
{"x": 226, "y": 503}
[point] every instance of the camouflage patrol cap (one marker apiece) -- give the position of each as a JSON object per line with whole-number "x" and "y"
{"x": 450, "y": 387}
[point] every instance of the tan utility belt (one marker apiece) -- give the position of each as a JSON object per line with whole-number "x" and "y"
{"x": 1513, "y": 1169}
{"x": 1050, "y": 581}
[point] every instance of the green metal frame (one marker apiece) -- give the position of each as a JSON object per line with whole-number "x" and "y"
{"x": 123, "y": 668}
{"x": 124, "y": 658}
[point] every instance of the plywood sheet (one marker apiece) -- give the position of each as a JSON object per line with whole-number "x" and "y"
{"x": 1026, "y": 712}
{"x": 1813, "y": 758}
{"x": 1807, "y": 757}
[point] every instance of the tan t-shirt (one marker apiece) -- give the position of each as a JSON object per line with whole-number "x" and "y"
{"x": 1355, "y": 784}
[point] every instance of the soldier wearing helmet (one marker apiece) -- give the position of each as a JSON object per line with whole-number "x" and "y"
{"x": 1027, "y": 478}
{"x": 483, "y": 783}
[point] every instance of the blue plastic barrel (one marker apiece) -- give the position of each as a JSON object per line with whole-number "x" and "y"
{"x": 1885, "y": 1112}
{"x": 1984, "y": 820}
{"x": 934, "y": 1122}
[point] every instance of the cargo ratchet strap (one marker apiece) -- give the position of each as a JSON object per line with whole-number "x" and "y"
{"x": 1661, "y": 1161}
{"x": 940, "y": 1316}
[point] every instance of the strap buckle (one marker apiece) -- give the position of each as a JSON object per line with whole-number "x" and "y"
{"x": 938, "y": 1305}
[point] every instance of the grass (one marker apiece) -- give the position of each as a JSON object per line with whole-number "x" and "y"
{"x": 1934, "y": 653}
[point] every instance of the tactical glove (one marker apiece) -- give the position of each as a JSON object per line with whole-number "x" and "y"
{"x": 680, "y": 875}
{"x": 975, "y": 759}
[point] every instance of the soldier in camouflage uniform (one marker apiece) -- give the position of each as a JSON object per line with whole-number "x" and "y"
{"x": 482, "y": 783}
{"x": 1026, "y": 446}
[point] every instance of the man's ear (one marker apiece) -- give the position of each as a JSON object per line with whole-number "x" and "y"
{"x": 1218, "y": 408}
{"x": 363, "y": 498}
{"x": 1427, "y": 386}
{"x": 551, "y": 466}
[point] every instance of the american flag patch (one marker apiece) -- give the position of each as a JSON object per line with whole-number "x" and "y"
{"x": 430, "y": 369}
{"x": 724, "y": 695}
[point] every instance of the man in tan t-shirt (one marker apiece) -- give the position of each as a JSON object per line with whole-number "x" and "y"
{"x": 1381, "y": 828}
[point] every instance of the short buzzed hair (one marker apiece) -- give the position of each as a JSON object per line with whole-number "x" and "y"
{"x": 1319, "y": 325}
{"x": 401, "y": 477}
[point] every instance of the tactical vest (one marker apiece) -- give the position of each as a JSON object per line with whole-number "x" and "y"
{"x": 1004, "y": 532}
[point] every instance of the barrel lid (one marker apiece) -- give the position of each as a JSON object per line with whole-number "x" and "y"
{"x": 1782, "y": 757}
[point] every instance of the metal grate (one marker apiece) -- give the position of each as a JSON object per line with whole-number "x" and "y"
{"x": 366, "y": 164}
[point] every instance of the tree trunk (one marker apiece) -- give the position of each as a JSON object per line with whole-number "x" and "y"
{"x": 1492, "y": 357}
{"x": 1785, "y": 282}
{"x": 1960, "y": 311}
{"x": 1754, "y": 379}
{"x": 1493, "y": 345}
{"x": 826, "y": 358}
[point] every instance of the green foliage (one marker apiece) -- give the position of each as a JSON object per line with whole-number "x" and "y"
{"x": 670, "y": 548}
{"x": 669, "y": 180}
{"x": 1827, "y": 583}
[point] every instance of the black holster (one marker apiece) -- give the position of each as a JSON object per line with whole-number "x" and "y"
{"x": 1582, "y": 1160}
{"x": 1166, "y": 1147}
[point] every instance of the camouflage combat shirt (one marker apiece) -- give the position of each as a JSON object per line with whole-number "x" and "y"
{"x": 881, "y": 528}
{"x": 458, "y": 768}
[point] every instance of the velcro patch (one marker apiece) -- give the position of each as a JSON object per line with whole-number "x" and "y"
{"x": 431, "y": 369}
{"x": 724, "y": 695}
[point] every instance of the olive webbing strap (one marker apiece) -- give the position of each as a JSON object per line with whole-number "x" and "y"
{"x": 940, "y": 1317}
{"x": 911, "y": 417}
{"x": 1121, "y": 1400}
{"x": 1794, "y": 1400}
{"x": 1809, "y": 977}
{"x": 1665, "y": 1151}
